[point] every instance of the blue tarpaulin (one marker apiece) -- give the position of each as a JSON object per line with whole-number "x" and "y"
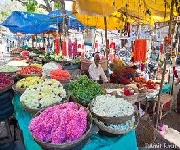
{"x": 32, "y": 29}
{"x": 72, "y": 23}
{"x": 29, "y": 23}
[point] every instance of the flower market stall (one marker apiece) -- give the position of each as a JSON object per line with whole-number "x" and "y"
{"x": 57, "y": 106}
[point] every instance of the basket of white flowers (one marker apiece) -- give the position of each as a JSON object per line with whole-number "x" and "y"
{"x": 42, "y": 95}
{"x": 116, "y": 129}
{"x": 111, "y": 110}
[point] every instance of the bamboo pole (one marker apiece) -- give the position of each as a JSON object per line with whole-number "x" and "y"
{"x": 164, "y": 69}
{"x": 64, "y": 17}
{"x": 106, "y": 40}
{"x": 173, "y": 49}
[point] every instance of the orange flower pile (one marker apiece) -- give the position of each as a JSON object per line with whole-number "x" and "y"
{"x": 60, "y": 75}
{"x": 29, "y": 70}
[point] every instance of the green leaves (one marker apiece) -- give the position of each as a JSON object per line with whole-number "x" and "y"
{"x": 84, "y": 89}
{"x": 31, "y": 5}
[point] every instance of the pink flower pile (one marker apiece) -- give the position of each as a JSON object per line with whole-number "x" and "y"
{"x": 58, "y": 124}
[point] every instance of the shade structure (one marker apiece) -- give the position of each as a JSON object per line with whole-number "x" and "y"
{"x": 72, "y": 21}
{"x": 97, "y": 7}
{"x": 29, "y": 23}
{"x": 134, "y": 11}
{"x": 113, "y": 22}
{"x": 32, "y": 29}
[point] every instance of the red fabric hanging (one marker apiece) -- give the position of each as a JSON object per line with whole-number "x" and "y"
{"x": 112, "y": 45}
{"x": 139, "y": 50}
{"x": 111, "y": 57}
{"x": 79, "y": 45}
{"x": 57, "y": 46}
{"x": 175, "y": 72}
{"x": 161, "y": 48}
{"x": 96, "y": 45}
{"x": 143, "y": 67}
{"x": 64, "y": 50}
{"x": 75, "y": 48}
{"x": 82, "y": 53}
{"x": 70, "y": 45}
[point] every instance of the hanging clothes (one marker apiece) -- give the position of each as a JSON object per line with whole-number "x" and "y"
{"x": 70, "y": 46}
{"x": 112, "y": 45}
{"x": 75, "y": 48}
{"x": 82, "y": 51}
{"x": 64, "y": 49}
{"x": 139, "y": 50}
{"x": 57, "y": 45}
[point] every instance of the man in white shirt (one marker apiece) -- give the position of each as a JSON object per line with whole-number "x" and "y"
{"x": 96, "y": 71}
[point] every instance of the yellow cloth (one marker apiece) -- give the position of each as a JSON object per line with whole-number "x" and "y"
{"x": 92, "y": 12}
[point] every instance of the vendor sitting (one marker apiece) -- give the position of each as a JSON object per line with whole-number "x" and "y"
{"x": 126, "y": 75}
{"x": 96, "y": 71}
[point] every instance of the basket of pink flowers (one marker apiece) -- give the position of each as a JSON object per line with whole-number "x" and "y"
{"x": 64, "y": 126}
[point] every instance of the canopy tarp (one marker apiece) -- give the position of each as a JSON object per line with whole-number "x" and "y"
{"x": 107, "y": 7}
{"x": 134, "y": 11}
{"x": 32, "y": 29}
{"x": 73, "y": 22}
{"x": 29, "y": 23}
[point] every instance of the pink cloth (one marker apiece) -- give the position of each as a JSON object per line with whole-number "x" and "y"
{"x": 70, "y": 46}
{"x": 75, "y": 48}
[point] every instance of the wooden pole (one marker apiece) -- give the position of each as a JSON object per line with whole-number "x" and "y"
{"x": 64, "y": 17}
{"x": 171, "y": 16}
{"x": 106, "y": 40}
{"x": 164, "y": 69}
{"x": 176, "y": 32}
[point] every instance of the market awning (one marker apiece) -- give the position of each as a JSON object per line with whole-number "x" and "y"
{"x": 29, "y": 23}
{"x": 73, "y": 22}
{"x": 135, "y": 11}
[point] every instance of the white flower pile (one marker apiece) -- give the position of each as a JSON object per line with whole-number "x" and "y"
{"x": 110, "y": 106}
{"x": 48, "y": 67}
{"x": 44, "y": 94}
{"x": 17, "y": 63}
{"x": 128, "y": 125}
{"x": 7, "y": 68}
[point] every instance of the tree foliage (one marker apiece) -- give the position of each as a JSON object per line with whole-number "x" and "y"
{"x": 33, "y": 5}
{"x": 8, "y": 7}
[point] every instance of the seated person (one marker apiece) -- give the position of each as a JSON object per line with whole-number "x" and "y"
{"x": 126, "y": 75}
{"x": 96, "y": 71}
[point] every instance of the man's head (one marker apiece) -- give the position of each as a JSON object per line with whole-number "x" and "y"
{"x": 96, "y": 59}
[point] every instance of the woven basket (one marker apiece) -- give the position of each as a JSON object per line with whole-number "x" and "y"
{"x": 64, "y": 81}
{"x": 86, "y": 63}
{"x": 77, "y": 100}
{"x": 132, "y": 98}
{"x": 18, "y": 90}
{"x": 145, "y": 133}
{"x": 28, "y": 75}
{"x": 30, "y": 110}
{"x": 34, "y": 111}
{"x": 113, "y": 131}
{"x": 6, "y": 88}
{"x": 68, "y": 146}
{"x": 110, "y": 120}
{"x": 141, "y": 96}
{"x": 115, "y": 68}
{"x": 112, "y": 86}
